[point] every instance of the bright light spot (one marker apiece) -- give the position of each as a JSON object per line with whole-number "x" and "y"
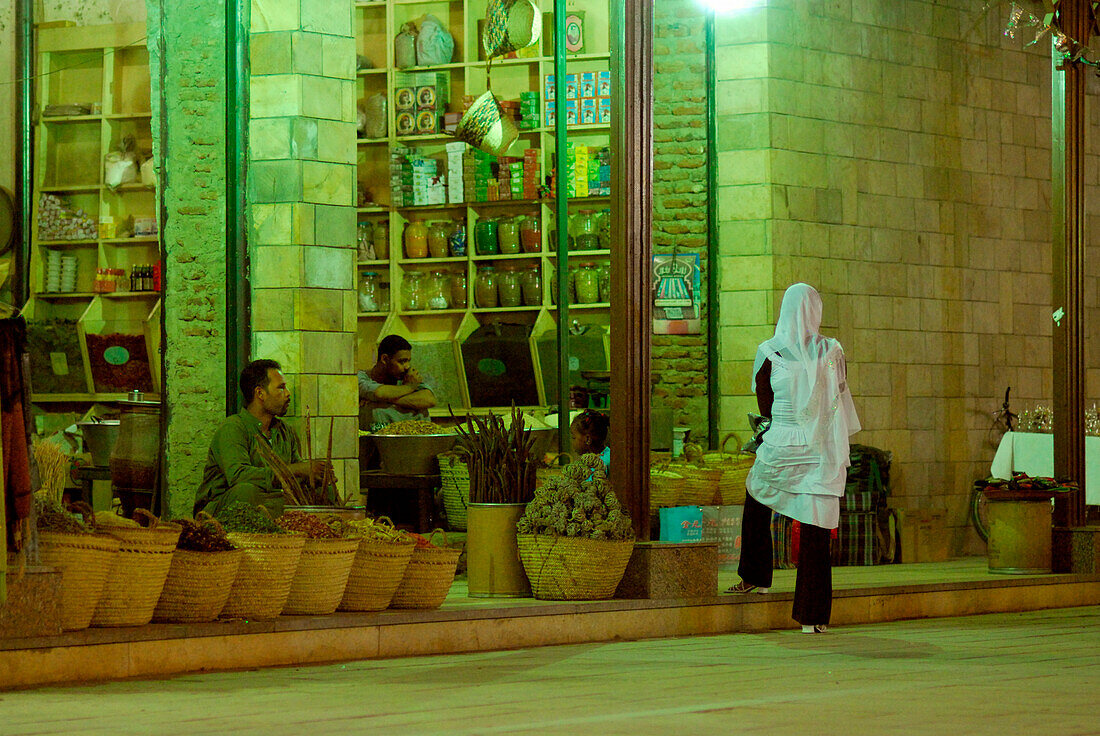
{"x": 732, "y": 6}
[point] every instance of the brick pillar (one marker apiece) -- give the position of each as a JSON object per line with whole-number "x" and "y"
{"x": 188, "y": 103}
{"x": 301, "y": 213}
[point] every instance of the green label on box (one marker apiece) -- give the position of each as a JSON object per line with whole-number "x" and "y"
{"x": 116, "y": 355}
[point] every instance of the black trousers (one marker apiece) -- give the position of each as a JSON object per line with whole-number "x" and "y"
{"x": 813, "y": 588}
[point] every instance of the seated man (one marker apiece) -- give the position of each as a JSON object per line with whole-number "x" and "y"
{"x": 235, "y": 469}
{"x": 393, "y": 390}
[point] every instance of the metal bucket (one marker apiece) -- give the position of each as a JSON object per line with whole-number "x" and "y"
{"x": 412, "y": 454}
{"x": 100, "y": 438}
{"x": 1019, "y": 536}
{"x": 493, "y": 566}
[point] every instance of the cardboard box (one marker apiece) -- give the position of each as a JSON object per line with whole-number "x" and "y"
{"x": 922, "y": 536}
{"x": 589, "y": 116}
{"x": 571, "y": 88}
{"x": 404, "y": 98}
{"x": 603, "y": 84}
{"x": 604, "y": 115}
{"x": 587, "y": 84}
{"x": 570, "y": 112}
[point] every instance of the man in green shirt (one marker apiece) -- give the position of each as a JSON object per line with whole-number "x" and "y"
{"x": 235, "y": 470}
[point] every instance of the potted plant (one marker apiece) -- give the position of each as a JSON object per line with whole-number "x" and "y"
{"x": 502, "y": 481}
{"x": 574, "y": 538}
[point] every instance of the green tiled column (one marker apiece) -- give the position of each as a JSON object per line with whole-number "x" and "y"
{"x": 301, "y": 211}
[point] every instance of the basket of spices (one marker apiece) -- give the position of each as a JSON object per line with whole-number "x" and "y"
{"x": 81, "y": 556}
{"x": 139, "y": 569}
{"x": 430, "y": 573}
{"x": 204, "y": 565}
{"x": 268, "y": 563}
{"x": 327, "y": 557}
{"x": 454, "y": 478}
{"x": 379, "y": 565}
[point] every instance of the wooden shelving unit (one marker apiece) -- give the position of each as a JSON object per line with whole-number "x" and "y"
{"x": 376, "y": 25}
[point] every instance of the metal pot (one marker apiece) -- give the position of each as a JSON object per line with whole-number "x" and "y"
{"x": 412, "y": 454}
{"x": 100, "y": 438}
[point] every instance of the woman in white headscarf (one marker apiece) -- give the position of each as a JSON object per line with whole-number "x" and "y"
{"x": 801, "y": 464}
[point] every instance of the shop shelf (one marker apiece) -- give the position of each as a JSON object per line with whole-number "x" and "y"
{"x": 377, "y": 209}
{"x": 142, "y": 240}
{"x": 370, "y": 141}
{"x": 67, "y": 243}
{"x": 507, "y": 257}
{"x": 66, "y": 294}
{"x": 415, "y": 261}
{"x": 129, "y": 116}
{"x": 425, "y": 138}
{"x": 71, "y": 188}
{"x": 372, "y": 315}
{"x": 373, "y": 263}
{"x": 370, "y": 72}
{"x": 131, "y": 295}
{"x": 498, "y": 310}
{"x": 425, "y": 312}
{"x": 593, "y": 305}
{"x": 69, "y": 118}
{"x": 600, "y": 253}
{"x": 431, "y": 208}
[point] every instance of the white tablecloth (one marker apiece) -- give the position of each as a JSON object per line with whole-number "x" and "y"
{"x": 1033, "y": 453}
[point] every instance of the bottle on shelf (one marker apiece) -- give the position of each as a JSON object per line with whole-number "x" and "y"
{"x": 365, "y": 241}
{"x": 583, "y": 229}
{"x": 438, "y": 247}
{"x": 508, "y": 236}
{"x": 486, "y": 242}
{"x": 530, "y": 234}
{"x": 531, "y": 285}
{"x": 485, "y": 288}
{"x": 459, "y": 298}
{"x": 603, "y": 229}
{"x": 509, "y": 290}
{"x": 380, "y": 237}
{"x": 412, "y": 291}
{"x": 586, "y": 280}
{"x": 416, "y": 240}
{"x": 456, "y": 239}
{"x": 438, "y": 291}
{"x": 368, "y": 292}
{"x": 604, "y": 271}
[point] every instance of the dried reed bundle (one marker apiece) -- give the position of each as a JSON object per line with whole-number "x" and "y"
{"x": 53, "y": 466}
{"x": 500, "y": 460}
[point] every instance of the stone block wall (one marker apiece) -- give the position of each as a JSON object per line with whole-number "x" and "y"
{"x": 679, "y": 363}
{"x": 896, "y": 155}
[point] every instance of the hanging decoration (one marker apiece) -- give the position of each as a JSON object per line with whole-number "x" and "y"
{"x": 510, "y": 25}
{"x": 1072, "y": 50}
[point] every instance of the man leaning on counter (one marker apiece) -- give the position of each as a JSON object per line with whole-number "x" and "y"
{"x": 393, "y": 390}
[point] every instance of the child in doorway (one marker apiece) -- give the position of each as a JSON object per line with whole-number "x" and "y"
{"x": 588, "y": 433}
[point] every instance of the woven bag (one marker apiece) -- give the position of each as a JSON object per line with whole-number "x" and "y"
{"x": 322, "y": 575}
{"x": 84, "y": 560}
{"x": 735, "y": 468}
{"x": 137, "y": 574}
{"x": 376, "y": 572}
{"x": 197, "y": 586}
{"x": 665, "y": 487}
{"x": 700, "y": 483}
{"x": 263, "y": 580}
{"x": 454, "y": 477}
{"x": 428, "y": 577}
{"x": 573, "y": 568}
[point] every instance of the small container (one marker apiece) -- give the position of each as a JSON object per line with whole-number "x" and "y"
{"x": 530, "y": 234}
{"x": 508, "y": 236}
{"x": 583, "y": 229}
{"x": 381, "y": 239}
{"x": 383, "y": 294}
{"x": 365, "y": 241}
{"x": 586, "y": 280}
{"x": 604, "y": 271}
{"x": 439, "y": 291}
{"x": 485, "y": 288}
{"x": 459, "y": 298}
{"x": 412, "y": 291}
{"x": 416, "y": 240}
{"x": 368, "y": 291}
{"x": 603, "y": 229}
{"x": 509, "y": 290}
{"x": 438, "y": 247}
{"x": 486, "y": 242}
{"x": 531, "y": 285}
{"x": 456, "y": 239}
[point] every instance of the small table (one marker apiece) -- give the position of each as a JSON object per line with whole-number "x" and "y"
{"x": 1033, "y": 453}
{"x": 422, "y": 484}
{"x": 88, "y": 473}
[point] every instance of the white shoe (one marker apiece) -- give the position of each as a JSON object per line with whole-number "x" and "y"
{"x": 817, "y": 629}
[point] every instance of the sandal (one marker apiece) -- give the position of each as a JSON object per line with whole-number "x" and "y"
{"x": 815, "y": 629}
{"x": 743, "y": 587}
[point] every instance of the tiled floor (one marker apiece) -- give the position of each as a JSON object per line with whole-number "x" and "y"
{"x": 1022, "y": 673}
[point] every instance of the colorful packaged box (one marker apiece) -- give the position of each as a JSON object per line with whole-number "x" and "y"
{"x": 549, "y": 116}
{"x": 571, "y": 88}
{"x": 426, "y": 98}
{"x": 405, "y": 123}
{"x": 603, "y": 117}
{"x": 549, "y": 89}
{"x": 603, "y": 84}
{"x": 427, "y": 121}
{"x": 404, "y": 98}
{"x": 570, "y": 112}
{"x": 587, "y": 84}
{"x": 589, "y": 113}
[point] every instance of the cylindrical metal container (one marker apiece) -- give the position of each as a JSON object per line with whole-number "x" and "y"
{"x": 493, "y": 566}
{"x": 1019, "y": 536}
{"x": 100, "y": 438}
{"x": 135, "y": 460}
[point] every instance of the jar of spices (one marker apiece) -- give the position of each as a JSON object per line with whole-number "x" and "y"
{"x": 604, "y": 271}
{"x": 603, "y": 229}
{"x": 485, "y": 288}
{"x": 530, "y": 234}
{"x": 416, "y": 240}
{"x": 439, "y": 291}
{"x": 381, "y": 240}
{"x": 583, "y": 229}
{"x": 437, "y": 240}
{"x": 508, "y": 235}
{"x": 383, "y": 296}
{"x": 586, "y": 280}
{"x": 456, "y": 239}
{"x": 365, "y": 241}
{"x": 509, "y": 290}
{"x": 368, "y": 291}
{"x": 486, "y": 242}
{"x": 531, "y": 284}
{"x": 412, "y": 291}
{"x": 459, "y": 299}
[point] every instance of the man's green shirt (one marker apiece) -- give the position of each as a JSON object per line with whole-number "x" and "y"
{"x": 234, "y": 458}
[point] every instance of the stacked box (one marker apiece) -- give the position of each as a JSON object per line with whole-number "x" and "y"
{"x": 531, "y": 173}
{"x": 456, "y": 192}
{"x": 425, "y": 177}
{"x": 580, "y": 170}
{"x": 401, "y": 176}
{"x": 587, "y": 99}
{"x": 477, "y": 172}
{"x": 599, "y": 172}
{"x": 529, "y": 110}
{"x": 420, "y": 101}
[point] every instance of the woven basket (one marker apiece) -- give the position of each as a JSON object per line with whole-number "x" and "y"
{"x": 84, "y": 560}
{"x": 734, "y": 467}
{"x": 198, "y": 585}
{"x": 428, "y": 577}
{"x": 375, "y": 574}
{"x": 573, "y": 568}
{"x": 700, "y": 484}
{"x": 137, "y": 575}
{"x": 665, "y": 487}
{"x": 263, "y": 580}
{"x": 322, "y": 575}
{"x": 454, "y": 477}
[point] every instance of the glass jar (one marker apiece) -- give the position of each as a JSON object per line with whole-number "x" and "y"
{"x": 583, "y": 229}
{"x": 459, "y": 299}
{"x": 383, "y": 295}
{"x": 365, "y": 238}
{"x": 368, "y": 291}
{"x": 531, "y": 284}
{"x": 530, "y": 234}
{"x": 485, "y": 288}
{"x": 552, "y": 244}
{"x": 509, "y": 290}
{"x": 381, "y": 240}
{"x": 603, "y": 229}
{"x": 416, "y": 240}
{"x": 604, "y": 271}
{"x": 412, "y": 291}
{"x": 485, "y": 237}
{"x": 438, "y": 246}
{"x": 456, "y": 239}
{"x": 438, "y": 291}
{"x": 586, "y": 280}
{"x": 508, "y": 235}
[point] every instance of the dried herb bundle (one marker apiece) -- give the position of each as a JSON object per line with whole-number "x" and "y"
{"x": 577, "y": 503}
{"x": 500, "y": 459}
{"x": 307, "y": 524}
{"x": 51, "y": 516}
{"x": 248, "y": 519}
{"x": 204, "y": 535}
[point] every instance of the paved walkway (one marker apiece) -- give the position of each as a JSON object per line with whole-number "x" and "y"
{"x": 1029, "y": 673}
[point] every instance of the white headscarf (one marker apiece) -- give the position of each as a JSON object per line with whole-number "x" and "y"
{"x": 820, "y": 397}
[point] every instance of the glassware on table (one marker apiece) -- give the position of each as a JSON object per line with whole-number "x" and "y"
{"x": 485, "y": 288}
{"x": 416, "y": 240}
{"x": 413, "y": 291}
{"x": 438, "y": 233}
